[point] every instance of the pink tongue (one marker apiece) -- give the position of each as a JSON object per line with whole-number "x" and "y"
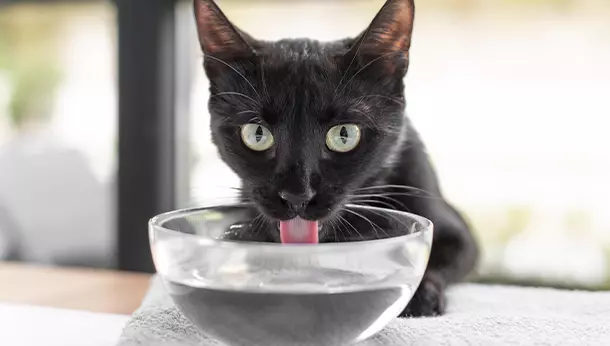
{"x": 298, "y": 230}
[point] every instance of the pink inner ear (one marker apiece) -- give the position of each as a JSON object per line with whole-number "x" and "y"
{"x": 217, "y": 35}
{"x": 391, "y": 29}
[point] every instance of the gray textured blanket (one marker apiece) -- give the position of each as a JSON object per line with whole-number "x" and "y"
{"x": 477, "y": 315}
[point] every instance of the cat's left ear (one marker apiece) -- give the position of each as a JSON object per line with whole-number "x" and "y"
{"x": 388, "y": 36}
{"x": 217, "y": 36}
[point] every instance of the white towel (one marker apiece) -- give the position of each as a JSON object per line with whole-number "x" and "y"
{"x": 476, "y": 315}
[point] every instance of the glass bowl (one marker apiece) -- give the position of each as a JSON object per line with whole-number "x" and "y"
{"x": 252, "y": 293}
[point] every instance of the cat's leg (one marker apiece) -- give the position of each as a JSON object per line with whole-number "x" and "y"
{"x": 454, "y": 250}
{"x": 453, "y": 256}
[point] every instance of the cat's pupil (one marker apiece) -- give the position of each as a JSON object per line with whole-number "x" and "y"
{"x": 258, "y": 135}
{"x": 343, "y": 134}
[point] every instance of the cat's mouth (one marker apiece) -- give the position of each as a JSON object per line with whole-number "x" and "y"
{"x": 299, "y": 231}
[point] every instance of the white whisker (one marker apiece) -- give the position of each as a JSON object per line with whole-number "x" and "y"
{"x": 384, "y": 97}
{"x": 265, "y": 91}
{"x": 234, "y": 69}
{"x": 369, "y": 64}
{"x": 370, "y": 118}
{"x": 234, "y": 93}
{"x": 389, "y": 186}
{"x": 380, "y": 195}
{"x": 353, "y": 59}
{"x": 372, "y": 201}
{"x": 373, "y": 225}
{"x": 388, "y": 214}
{"x": 352, "y": 226}
{"x": 245, "y": 112}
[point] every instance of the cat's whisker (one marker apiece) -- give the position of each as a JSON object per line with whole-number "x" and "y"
{"x": 206, "y": 202}
{"x": 246, "y": 112}
{"x": 369, "y": 118}
{"x": 255, "y": 120}
{"x": 216, "y": 200}
{"x": 373, "y": 225}
{"x": 235, "y": 93}
{"x": 400, "y": 194}
{"x": 233, "y": 195}
{"x": 366, "y": 32}
{"x": 235, "y": 70}
{"x": 384, "y": 97}
{"x": 352, "y": 226}
{"x": 258, "y": 223}
{"x": 221, "y": 122}
{"x": 339, "y": 224}
{"x": 372, "y": 201}
{"x": 206, "y": 189}
{"x": 390, "y": 186}
{"x": 391, "y": 193}
{"x": 367, "y": 65}
{"x": 219, "y": 186}
{"x": 345, "y": 232}
{"x": 262, "y": 69}
{"x": 388, "y": 214}
{"x": 332, "y": 223}
{"x": 387, "y": 198}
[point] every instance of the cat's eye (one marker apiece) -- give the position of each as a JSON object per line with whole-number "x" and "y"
{"x": 343, "y": 138}
{"x": 256, "y": 137}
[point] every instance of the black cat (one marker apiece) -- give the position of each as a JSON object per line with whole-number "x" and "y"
{"x": 310, "y": 126}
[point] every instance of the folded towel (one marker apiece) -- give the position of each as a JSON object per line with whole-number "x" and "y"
{"x": 476, "y": 315}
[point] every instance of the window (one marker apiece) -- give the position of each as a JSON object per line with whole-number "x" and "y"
{"x": 510, "y": 97}
{"x": 58, "y": 133}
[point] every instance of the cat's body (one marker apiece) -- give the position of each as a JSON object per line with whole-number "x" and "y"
{"x": 294, "y": 93}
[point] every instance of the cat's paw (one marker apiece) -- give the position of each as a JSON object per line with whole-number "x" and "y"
{"x": 428, "y": 300}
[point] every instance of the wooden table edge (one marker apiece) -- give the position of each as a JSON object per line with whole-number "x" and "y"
{"x": 94, "y": 290}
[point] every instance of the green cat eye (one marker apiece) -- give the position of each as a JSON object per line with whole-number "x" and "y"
{"x": 343, "y": 138}
{"x": 256, "y": 137}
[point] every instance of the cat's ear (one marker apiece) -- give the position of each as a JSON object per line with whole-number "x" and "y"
{"x": 217, "y": 36}
{"x": 388, "y": 35}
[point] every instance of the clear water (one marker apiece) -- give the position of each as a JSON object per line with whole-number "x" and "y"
{"x": 265, "y": 279}
{"x": 288, "y": 318}
{"x": 301, "y": 297}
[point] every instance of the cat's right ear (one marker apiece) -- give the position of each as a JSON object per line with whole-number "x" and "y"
{"x": 217, "y": 36}
{"x": 388, "y": 36}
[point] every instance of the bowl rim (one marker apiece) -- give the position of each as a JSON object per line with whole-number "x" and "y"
{"x": 155, "y": 225}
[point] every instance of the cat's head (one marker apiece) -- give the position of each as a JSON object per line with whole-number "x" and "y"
{"x": 305, "y": 123}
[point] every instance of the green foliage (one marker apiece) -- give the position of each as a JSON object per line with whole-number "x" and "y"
{"x": 28, "y": 44}
{"x": 32, "y": 95}
{"x": 497, "y": 226}
{"x": 517, "y": 218}
{"x": 577, "y": 222}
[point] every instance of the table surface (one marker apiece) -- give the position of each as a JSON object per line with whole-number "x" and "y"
{"x": 70, "y": 288}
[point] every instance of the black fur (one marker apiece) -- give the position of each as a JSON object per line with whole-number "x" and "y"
{"x": 299, "y": 89}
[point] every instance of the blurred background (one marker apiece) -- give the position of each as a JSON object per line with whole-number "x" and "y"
{"x": 103, "y": 123}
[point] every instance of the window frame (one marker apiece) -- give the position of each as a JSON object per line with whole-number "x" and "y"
{"x": 147, "y": 120}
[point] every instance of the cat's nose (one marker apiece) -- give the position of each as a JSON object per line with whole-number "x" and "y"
{"x": 297, "y": 200}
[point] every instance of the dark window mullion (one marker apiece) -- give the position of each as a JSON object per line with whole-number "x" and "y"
{"x": 146, "y": 48}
